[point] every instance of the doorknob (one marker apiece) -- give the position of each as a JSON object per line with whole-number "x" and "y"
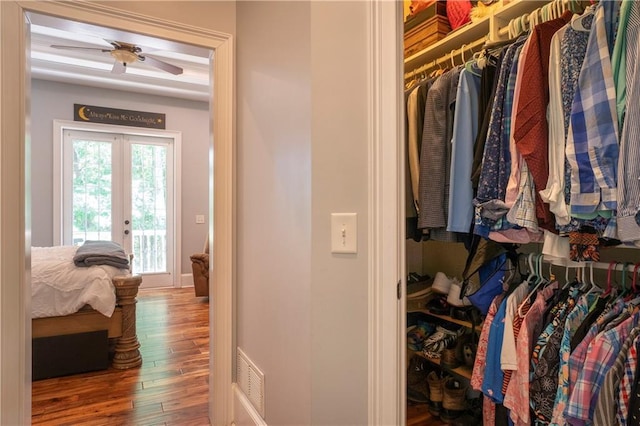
{"x": 126, "y": 232}
{"x": 126, "y": 222}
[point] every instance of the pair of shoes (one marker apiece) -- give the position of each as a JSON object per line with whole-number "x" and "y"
{"x": 418, "y": 334}
{"x": 436, "y": 383}
{"x": 466, "y": 313}
{"x": 466, "y": 347}
{"x": 440, "y": 340}
{"x": 417, "y": 385}
{"x": 439, "y": 306}
{"x": 414, "y": 277}
{"x": 448, "y": 359}
{"x": 441, "y": 283}
{"x": 451, "y": 287}
{"x": 454, "y": 401}
{"x": 418, "y": 291}
{"x": 455, "y": 297}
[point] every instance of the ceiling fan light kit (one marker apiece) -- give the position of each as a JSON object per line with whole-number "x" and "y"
{"x": 124, "y": 56}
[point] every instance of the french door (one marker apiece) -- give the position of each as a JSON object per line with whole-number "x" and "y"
{"x": 119, "y": 187}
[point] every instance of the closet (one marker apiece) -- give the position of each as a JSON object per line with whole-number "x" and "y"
{"x": 441, "y": 254}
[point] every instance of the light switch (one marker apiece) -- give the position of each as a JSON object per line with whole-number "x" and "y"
{"x": 199, "y": 218}
{"x": 344, "y": 233}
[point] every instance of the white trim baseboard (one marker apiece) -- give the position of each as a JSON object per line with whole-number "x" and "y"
{"x": 186, "y": 280}
{"x": 244, "y": 413}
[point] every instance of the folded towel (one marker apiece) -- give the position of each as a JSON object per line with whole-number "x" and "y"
{"x": 101, "y": 253}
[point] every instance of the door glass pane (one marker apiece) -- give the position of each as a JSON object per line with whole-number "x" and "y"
{"x": 149, "y": 207}
{"x": 91, "y": 191}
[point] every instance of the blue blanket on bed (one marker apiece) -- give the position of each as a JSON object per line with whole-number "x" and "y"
{"x": 101, "y": 253}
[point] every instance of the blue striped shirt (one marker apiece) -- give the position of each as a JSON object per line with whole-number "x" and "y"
{"x": 592, "y": 145}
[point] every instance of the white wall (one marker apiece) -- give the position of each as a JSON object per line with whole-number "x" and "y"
{"x": 339, "y": 284}
{"x": 302, "y": 154}
{"x": 53, "y": 100}
{"x": 274, "y": 202}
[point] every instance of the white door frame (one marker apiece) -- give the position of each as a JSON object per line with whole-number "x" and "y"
{"x": 15, "y": 205}
{"x": 387, "y": 317}
{"x": 60, "y": 126}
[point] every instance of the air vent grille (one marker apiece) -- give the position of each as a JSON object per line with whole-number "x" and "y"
{"x": 251, "y": 381}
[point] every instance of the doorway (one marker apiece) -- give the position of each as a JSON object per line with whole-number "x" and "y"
{"x": 120, "y": 184}
{"x": 14, "y": 122}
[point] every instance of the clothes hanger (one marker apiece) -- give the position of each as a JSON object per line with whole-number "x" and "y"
{"x": 473, "y": 64}
{"x": 609, "y": 289}
{"x": 636, "y": 290}
{"x": 577, "y": 20}
{"x": 524, "y": 23}
{"x": 560, "y": 8}
{"x": 635, "y": 275}
{"x": 533, "y": 278}
{"x": 626, "y": 292}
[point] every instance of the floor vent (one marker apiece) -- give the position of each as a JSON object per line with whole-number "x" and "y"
{"x": 251, "y": 381}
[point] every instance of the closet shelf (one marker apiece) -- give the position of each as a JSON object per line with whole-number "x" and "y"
{"x": 462, "y": 371}
{"x": 487, "y": 28}
{"x": 450, "y": 319}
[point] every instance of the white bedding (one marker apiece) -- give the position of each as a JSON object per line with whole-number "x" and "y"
{"x": 58, "y": 287}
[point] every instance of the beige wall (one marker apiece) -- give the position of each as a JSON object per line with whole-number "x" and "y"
{"x": 339, "y": 283}
{"x": 302, "y": 154}
{"x": 274, "y": 106}
{"x": 214, "y": 15}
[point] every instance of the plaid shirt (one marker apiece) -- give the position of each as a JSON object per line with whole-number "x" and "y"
{"x": 592, "y": 143}
{"x": 626, "y": 383}
{"x": 578, "y": 355}
{"x": 606, "y": 407}
{"x": 600, "y": 357}
{"x": 573, "y": 321}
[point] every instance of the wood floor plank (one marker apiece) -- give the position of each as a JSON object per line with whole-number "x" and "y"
{"x": 170, "y": 388}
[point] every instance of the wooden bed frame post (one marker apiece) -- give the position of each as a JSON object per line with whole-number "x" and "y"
{"x": 127, "y": 353}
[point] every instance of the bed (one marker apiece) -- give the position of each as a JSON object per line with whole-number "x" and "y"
{"x": 68, "y": 299}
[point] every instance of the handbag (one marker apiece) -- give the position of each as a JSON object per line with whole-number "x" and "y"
{"x": 484, "y": 273}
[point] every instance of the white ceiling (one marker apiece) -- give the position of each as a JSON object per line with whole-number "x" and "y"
{"x": 93, "y": 67}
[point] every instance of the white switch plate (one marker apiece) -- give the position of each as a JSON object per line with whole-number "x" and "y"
{"x": 199, "y": 218}
{"x": 344, "y": 233}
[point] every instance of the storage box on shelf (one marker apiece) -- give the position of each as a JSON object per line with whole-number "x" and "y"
{"x": 437, "y": 8}
{"x": 426, "y": 27}
{"x": 425, "y": 34}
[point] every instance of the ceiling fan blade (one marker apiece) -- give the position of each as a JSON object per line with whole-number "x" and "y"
{"x": 161, "y": 64}
{"x": 118, "y": 68}
{"x": 57, "y": 46}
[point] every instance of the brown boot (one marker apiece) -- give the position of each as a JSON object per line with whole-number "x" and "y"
{"x": 435, "y": 392}
{"x": 454, "y": 402}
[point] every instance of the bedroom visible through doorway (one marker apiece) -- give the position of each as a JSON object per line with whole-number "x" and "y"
{"x": 121, "y": 186}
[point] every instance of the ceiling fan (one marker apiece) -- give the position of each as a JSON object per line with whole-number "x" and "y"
{"x": 126, "y": 53}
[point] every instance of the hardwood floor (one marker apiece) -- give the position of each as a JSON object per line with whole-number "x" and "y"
{"x": 171, "y": 387}
{"x": 419, "y": 415}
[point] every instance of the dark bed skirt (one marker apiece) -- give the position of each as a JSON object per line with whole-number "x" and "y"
{"x": 69, "y": 354}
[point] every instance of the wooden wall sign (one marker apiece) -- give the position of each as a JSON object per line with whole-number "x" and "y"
{"x": 123, "y": 117}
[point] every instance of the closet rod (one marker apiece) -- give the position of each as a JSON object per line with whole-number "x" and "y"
{"x": 447, "y": 57}
{"x": 596, "y": 265}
